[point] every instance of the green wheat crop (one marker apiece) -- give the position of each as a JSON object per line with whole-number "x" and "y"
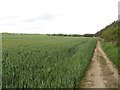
{"x": 39, "y": 61}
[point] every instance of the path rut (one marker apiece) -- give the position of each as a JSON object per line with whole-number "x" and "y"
{"x": 101, "y": 72}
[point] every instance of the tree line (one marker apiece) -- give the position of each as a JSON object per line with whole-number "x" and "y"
{"x": 110, "y": 33}
{"x": 72, "y": 35}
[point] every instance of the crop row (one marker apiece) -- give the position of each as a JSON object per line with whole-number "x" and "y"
{"x": 45, "y": 61}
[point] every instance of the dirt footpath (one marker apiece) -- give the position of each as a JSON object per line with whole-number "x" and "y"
{"x": 101, "y": 72}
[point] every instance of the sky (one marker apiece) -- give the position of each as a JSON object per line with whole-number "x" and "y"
{"x": 56, "y": 16}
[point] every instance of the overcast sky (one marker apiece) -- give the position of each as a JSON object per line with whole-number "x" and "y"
{"x": 56, "y": 16}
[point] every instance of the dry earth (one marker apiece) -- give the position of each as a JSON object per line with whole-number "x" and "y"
{"x": 101, "y": 72}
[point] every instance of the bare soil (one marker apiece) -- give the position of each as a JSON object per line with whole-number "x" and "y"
{"x": 101, "y": 72}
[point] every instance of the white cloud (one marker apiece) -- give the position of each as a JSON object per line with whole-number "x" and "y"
{"x": 44, "y": 17}
{"x": 56, "y": 16}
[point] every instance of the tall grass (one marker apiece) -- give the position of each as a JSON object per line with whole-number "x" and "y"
{"x": 112, "y": 52}
{"x": 39, "y": 61}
